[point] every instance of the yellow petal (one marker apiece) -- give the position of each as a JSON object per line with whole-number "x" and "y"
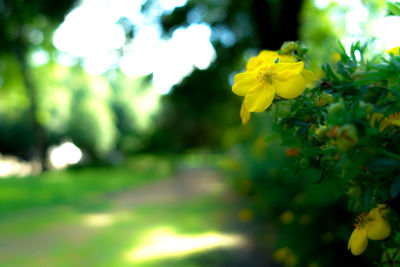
{"x": 309, "y": 75}
{"x": 378, "y": 213}
{"x": 394, "y": 50}
{"x": 291, "y": 87}
{"x": 253, "y": 63}
{"x": 382, "y": 209}
{"x": 268, "y": 56}
{"x": 394, "y": 119}
{"x": 358, "y": 241}
{"x": 243, "y": 82}
{"x": 286, "y": 59}
{"x": 244, "y": 114}
{"x": 377, "y": 116}
{"x": 264, "y": 56}
{"x": 395, "y": 122}
{"x": 285, "y": 70}
{"x": 378, "y": 229}
{"x": 259, "y": 98}
{"x": 384, "y": 123}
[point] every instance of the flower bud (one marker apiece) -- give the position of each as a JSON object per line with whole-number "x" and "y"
{"x": 323, "y": 99}
{"x": 335, "y": 108}
{"x": 288, "y": 47}
{"x": 346, "y": 137}
{"x": 321, "y": 132}
{"x": 332, "y": 133}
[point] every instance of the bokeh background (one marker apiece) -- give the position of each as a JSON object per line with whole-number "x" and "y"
{"x": 121, "y": 142}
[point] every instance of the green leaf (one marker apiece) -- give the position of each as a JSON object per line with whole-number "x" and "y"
{"x": 395, "y": 189}
{"x": 329, "y": 72}
{"x": 394, "y": 8}
{"x": 383, "y": 164}
{"x": 354, "y": 47}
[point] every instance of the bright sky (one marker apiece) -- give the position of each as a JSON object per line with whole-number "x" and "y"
{"x": 382, "y": 28}
{"x": 90, "y": 31}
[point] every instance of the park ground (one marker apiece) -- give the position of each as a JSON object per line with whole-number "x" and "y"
{"x": 146, "y": 212}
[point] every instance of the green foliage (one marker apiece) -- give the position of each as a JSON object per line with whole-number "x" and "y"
{"x": 80, "y": 186}
{"x": 394, "y": 8}
{"x": 21, "y": 22}
{"x": 346, "y": 135}
{"x": 343, "y": 134}
{"x": 92, "y": 127}
{"x": 308, "y": 219}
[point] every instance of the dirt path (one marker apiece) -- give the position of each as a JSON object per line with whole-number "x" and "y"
{"x": 196, "y": 200}
{"x": 186, "y": 185}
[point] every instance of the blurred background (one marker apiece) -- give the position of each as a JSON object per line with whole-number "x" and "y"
{"x": 121, "y": 142}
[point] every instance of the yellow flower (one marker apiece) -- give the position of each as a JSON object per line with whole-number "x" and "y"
{"x": 391, "y": 120}
{"x": 372, "y": 226}
{"x": 374, "y": 118}
{"x": 394, "y": 50}
{"x": 266, "y": 75}
{"x": 287, "y": 217}
{"x": 285, "y": 256}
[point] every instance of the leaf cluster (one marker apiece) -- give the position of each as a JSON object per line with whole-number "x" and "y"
{"x": 333, "y": 126}
{"x": 346, "y": 127}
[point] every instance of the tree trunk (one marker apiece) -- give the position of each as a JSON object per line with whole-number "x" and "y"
{"x": 37, "y": 129}
{"x": 276, "y": 21}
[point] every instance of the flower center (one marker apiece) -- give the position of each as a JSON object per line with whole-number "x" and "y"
{"x": 361, "y": 220}
{"x": 265, "y": 74}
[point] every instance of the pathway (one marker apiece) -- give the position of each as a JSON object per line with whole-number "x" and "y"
{"x": 188, "y": 220}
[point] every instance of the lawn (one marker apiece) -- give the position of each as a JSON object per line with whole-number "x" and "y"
{"x": 139, "y": 214}
{"x": 84, "y": 184}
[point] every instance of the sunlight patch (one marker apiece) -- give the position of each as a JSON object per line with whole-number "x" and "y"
{"x": 99, "y": 219}
{"x": 165, "y": 243}
{"x": 63, "y": 155}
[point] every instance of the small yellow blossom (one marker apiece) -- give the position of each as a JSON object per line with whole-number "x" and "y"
{"x": 285, "y": 256}
{"x": 391, "y": 120}
{"x": 346, "y": 137}
{"x": 394, "y": 50}
{"x": 372, "y": 226}
{"x": 336, "y": 57}
{"x": 287, "y": 217}
{"x": 245, "y": 215}
{"x": 244, "y": 114}
{"x": 266, "y": 75}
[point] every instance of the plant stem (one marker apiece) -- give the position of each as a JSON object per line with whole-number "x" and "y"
{"x": 390, "y": 154}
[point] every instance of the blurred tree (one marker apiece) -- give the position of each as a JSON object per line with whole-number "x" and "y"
{"x": 25, "y": 25}
{"x": 200, "y": 110}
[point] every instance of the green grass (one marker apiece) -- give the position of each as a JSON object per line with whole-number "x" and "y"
{"x": 44, "y": 219}
{"x": 83, "y": 185}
